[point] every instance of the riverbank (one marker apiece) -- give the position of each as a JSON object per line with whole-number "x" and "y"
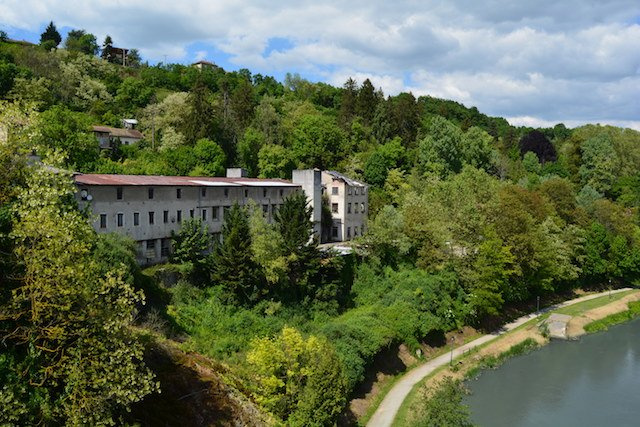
{"x": 395, "y": 407}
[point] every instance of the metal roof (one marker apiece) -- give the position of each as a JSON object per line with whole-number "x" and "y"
{"x": 349, "y": 181}
{"x": 183, "y": 181}
{"x": 119, "y": 132}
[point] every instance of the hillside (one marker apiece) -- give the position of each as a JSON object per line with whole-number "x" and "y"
{"x": 470, "y": 220}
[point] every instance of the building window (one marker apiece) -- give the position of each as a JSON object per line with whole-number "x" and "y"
{"x": 151, "y": 218}
{"x": 164, "y": 247}
{"x": 136, "y": 218}
{"x": 334, "y": 232}
{"x": 334, "y": 191}
{"x": 214, "y": 213}
{"x": 362, "y": 207}
{"x": 334, "y": 208}
{"x": 265, "y": 210}
{"x": 355, "y": 207}
{"x": 191, "y": 213}
{"x": 348, "y": 232}
{"x": 165, "y": 216}
{"x": 348, "y": 190}
{"x": 120, "y": 218}
{"x": 204, "y": 214}
{"x": 150, "y": 193}
{"x": 179, "y": 193}
{"x": 349, "y": 208}
{"x": 355, "y": 231}
{"x": 281, "y": 192}
{"x": 246, "y": 193}
{"x": 226, "y": 192}
{"x": 274, "y": 209}
{"x": 179, "y": 216}
{"x": 119, "y": 193}
{"x": 151, "y": 244}
{"x": 264, "y": 192}
{"x": 203, "y": 192}
{"x": 103, "y": 220}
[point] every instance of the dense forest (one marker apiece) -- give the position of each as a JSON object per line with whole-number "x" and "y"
{"x": 468, "y": 216}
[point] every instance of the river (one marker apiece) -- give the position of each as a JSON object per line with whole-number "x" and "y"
{"x": 592, "y": 382}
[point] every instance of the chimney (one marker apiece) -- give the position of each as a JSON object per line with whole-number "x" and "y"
{"x": 237, "y": 173}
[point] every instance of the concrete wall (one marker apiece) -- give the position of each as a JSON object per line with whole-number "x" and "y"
{"x": 311, "y": 182}
{"x": 350, "y": 223}
{"x": 135, "y": 200}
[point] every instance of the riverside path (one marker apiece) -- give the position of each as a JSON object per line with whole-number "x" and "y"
{"x": 386, "y": 412}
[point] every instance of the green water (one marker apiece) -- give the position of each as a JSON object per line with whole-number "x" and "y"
{"x": 592, "y": 382}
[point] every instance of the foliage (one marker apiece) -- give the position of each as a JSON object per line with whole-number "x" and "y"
{"x": 51, "y": 35}
{"x": 190, "y": 246}
{"x": 81, "y": 41}
{"x": 298, "y": 379}
{"x": 536, "y": 142}
{"x": 442, "y": 406}
{"x": 614, "y": 319}
{"x": 71, "y": 321}
{"x": 232, "y": 265}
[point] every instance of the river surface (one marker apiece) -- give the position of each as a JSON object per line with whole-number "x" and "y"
{"x": 592, "y": 382}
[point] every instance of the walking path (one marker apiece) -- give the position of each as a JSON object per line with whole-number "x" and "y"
{"x": 386, "y": 412}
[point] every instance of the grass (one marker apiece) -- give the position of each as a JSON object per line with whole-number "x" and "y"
{"x": 375, "y": 402}
{"x": 401, "y": 418}
{"x": 581, "y": 307}
{"x": 384, "y": 389}
{"x": 493, "y": 362}
{"x": 614, "y": 319}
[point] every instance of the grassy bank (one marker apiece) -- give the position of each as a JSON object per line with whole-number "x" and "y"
{"x": 471, "y": 364}
{"x": 614, "y": 319}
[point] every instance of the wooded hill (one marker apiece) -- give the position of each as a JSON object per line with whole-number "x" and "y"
{"x": 469, "y": 217}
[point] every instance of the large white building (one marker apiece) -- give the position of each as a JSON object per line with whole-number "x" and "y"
{"x": 149, "y": 208}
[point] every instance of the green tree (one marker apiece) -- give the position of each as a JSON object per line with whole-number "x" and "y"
{"x": 367, "y": 102}
{"x": 210, "y": 159}
{"x": 200, "y": 121}
{"x": 442, "y": 406}
{"x": 249, "y": 148}
{"x": 50, "y": 38}
{"x": 69, "y": 320}
{"x": 317, "y": 142}
{"x": 300, "y": 245}
{"x": 191, "y": 243}
{"x": 267, "y": 246}
{"x": 81, "y": 41}
{"x": 274, "y": 161}
{"x": 348, "y": 102}
{"x": 232, "y": 264}
{"x": 299, "y": 380}
{"x": 599, "y": 163}
{"x": 107, "y": 50}
{"x": 386, "y": 157}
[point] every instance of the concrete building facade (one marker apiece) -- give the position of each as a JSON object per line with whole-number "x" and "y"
{"x": 349, "y": 203}
{"x": 149, "y": 209}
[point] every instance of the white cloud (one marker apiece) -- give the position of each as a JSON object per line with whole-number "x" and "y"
{"x": 546, "y": 61}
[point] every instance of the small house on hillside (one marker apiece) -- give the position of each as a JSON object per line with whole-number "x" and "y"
{"x": 107, "y": 135}
{"x": 200, "y": 65}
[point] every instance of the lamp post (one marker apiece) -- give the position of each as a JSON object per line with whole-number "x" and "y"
{"x": 609, "y": 288}
{"x": 451, "y": 359}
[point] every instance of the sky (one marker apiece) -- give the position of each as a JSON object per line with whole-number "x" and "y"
{"x": 535, "y": 63}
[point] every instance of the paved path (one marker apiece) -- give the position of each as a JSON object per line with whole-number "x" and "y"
{"x": 386, "y": 412}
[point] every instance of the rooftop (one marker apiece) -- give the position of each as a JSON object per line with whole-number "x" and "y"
{"x": 347, "y": 180}
{"x": 119, "y": 132}
{"x": 184, "y": 181}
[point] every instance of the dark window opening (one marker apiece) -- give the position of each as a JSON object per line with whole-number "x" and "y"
{"x": 151, "y": 217}
{"x": 119, "y": 193}
{"x": 103, "y": 220}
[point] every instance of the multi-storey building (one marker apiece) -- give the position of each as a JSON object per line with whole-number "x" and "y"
{"x": 349, "y": 202}
{"x": 150, "y": 208}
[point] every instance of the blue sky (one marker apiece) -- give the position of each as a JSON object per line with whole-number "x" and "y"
{"x": 536, "y": 63}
